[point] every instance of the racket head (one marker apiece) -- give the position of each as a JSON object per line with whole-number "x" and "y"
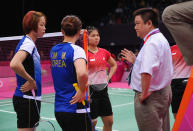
{"x": 44, "y": 125}
{"x": 98, "y": 80}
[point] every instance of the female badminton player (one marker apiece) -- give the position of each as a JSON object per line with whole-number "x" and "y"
{"x": 98, "y": 58}
{"x": 26, "y": 65}
{"x": 69, "y": 71}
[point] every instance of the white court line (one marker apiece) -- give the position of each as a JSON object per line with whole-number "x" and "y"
{"x": 11, "y": 112}
{"x": 102, "y": 128}
{"x": 52, "y": 119}
{"x": 115, "y": 106}
{"x": 6, "y": 104}
{"x": 46, "y": 118}
{"x": 7, "y": 112}
{"x": 120, "y": 89}
{"x": 121, "y": 94}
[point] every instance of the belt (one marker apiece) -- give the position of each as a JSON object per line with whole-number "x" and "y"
{"x": 135, "y": 91}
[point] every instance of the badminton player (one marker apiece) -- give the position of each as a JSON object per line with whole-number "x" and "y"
{"x": 98, "y": 58}
{"x": 68, "y": 69}
{"x": 26, "y": 65}
{"x": 180, "y": 78}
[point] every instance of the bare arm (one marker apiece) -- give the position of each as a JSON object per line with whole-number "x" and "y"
{"x": 82, "y": 77}
{"x": 17, "y": 66}
{"x": 113, "y": 67}
{"x": 145, "y": 83}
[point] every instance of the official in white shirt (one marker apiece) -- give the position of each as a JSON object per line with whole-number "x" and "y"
{"x": 151, "y": 74}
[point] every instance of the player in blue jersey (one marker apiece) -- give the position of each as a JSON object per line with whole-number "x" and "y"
{"x": 68, "y": 67}
{"x": 26, "y": 65}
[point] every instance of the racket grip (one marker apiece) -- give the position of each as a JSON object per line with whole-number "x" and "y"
{"x": 76, "y": 88}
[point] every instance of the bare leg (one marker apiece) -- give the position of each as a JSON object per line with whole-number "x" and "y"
{"x": 25, "y": 129}
{"x": 94, "y": 123}
{"x": 108, "y": 123}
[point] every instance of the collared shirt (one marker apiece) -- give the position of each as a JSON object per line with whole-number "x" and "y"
{"x": 155, "y": 59}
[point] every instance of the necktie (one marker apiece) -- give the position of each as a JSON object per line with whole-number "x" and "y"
{"x": 129, "y": 77}
{"x": 131, "y": 68}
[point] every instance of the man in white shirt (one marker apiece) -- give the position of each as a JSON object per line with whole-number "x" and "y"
{"x": 152, "y": 73}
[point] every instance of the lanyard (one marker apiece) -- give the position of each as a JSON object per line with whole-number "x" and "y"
{"x": 154, "y": 32}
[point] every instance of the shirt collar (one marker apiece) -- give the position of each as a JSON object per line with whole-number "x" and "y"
{"x": 150, "y": 33}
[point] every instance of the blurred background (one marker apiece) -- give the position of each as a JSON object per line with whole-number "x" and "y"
{"x": 113, "y": 18}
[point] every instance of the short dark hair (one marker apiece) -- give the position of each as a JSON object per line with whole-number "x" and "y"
{"x": 71, "y": 24}
{"x": 148, "y": 14}
{"x": 91, "y": 28}
{"x": 30, "y": 21}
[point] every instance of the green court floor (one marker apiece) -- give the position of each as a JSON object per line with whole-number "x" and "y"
{"x": 122, "y": 104}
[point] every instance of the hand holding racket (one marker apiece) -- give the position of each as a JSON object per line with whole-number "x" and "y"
{"x": 79, "y": 96}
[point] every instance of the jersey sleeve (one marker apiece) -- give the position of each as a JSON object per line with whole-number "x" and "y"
{"x": 79, "y": 53}
{"x": 108, "y": 54}
{"x": 27, "y": 46}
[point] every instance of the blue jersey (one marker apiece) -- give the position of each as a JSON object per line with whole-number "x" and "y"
{"x": 62, "y": 57}
{"x": 32, "y": 66}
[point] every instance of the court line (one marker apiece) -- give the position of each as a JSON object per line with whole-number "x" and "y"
{"x": 6, "y": 104}
{"x": 11, "y": 112}
{"x": 8, "y": 111}
{"x": 119, "y": 89}
{"x": 52, "y": 119}
{"x": 121, "y": 94}
{"x": 102, "y": 128}
{"x": 115, "y": 106}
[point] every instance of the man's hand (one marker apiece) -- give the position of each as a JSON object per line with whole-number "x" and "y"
{"x": 128, "y": 55}
{"x": 144, "y": 96}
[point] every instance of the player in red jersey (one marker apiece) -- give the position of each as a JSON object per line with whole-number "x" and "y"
{"x": 98, "y": 58}
{"x": 180, "y": 77}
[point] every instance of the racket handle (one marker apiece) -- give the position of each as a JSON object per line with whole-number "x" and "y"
{"x": 76, "y": 88}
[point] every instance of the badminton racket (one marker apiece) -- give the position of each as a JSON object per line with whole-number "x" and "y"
{"x": 43, "y": 125}
{"x": 83, "y": 42}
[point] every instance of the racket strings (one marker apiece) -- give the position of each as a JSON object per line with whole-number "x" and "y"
{"x": 38, "y": 111}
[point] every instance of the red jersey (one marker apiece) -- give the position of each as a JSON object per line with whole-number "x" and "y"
{"x": 97, "y": 62}
{"x": 181, "y": 70}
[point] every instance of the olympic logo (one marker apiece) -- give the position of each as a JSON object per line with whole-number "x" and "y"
{"x": 1, "y": 84}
